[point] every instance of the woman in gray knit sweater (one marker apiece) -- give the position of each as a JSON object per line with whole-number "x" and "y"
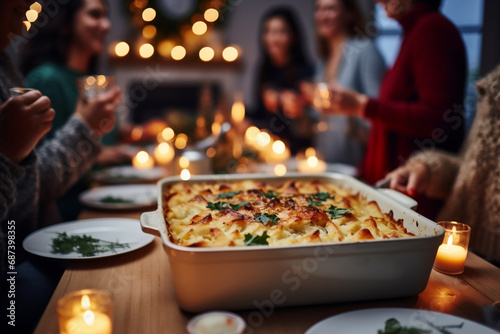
{"x": 31, "y": 180}
{"x": 469, "y": 182}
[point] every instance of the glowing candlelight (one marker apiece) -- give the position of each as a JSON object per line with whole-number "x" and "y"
{"x": 181, "y": 141}
{"x": 278, "y": 152}
{"x": 142, "y": 160}
{"x": 451, "y": 255}
{"x": 168, "y": 134}
{"x": 238, "y": 109}
{"x": 280, "y": 170}
{"x": 183, "y": 162}
{"x": 310, "y": 163}
{"x": 85, "y": 311}
{"x": 185, "y": 175}
{"x": 164, "y": 153}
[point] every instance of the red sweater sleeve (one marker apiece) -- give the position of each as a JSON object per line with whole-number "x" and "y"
{"x": 439, "y": 72}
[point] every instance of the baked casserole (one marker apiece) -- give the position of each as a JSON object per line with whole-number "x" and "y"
{"x": 253, "y": 212}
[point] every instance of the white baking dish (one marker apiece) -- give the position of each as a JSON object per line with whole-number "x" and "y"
{"x": 264, "y": 277}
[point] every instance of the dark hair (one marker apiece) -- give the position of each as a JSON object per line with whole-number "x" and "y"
{"x": 357, "y": 26}
{"x": 288, "y": 16}
{"x": 51, "y": 41}
{"x": 433, "y": 4}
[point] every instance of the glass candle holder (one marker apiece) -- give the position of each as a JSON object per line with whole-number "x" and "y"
{"x": 85, "y": 311}
{"x": 451, "y": 255}
{"x": 17, "y": 91}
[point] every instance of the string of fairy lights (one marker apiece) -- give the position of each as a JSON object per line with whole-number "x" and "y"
{"x": 188, "y": 43}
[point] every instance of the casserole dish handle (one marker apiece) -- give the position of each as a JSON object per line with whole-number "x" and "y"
{"x": 152, "y": 222}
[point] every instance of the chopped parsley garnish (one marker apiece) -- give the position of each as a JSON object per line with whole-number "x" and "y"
{"x": 266, "y": 218}
{"x": 322, "y": 196}
{"x": 228, "y": 194}
{"x": 83, "y": 244}
{"x": 335, "y": 212}
{"x": 218, "y": 206}
{"x": 112, "y": 199}
{"x": 313, "y": 203}
{"x": 256, "y": 240}
{"x": 270, "y": 194}
{"x": 236, "y": 207}
{"x": 393, "y": 326}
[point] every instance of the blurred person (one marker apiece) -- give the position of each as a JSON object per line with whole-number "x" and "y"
{"x": 469, "y": 182}
{"x": 419, "y": 101}
{"x": 31, "y": 180}
{"x": 415, "y": 106}
{"x": 350, "y": 59}
{"x": 61, "y": 52}
{"x": 283, "y": 65}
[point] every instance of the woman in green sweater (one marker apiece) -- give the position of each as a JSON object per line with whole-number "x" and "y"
{"x": 61, "y": 52}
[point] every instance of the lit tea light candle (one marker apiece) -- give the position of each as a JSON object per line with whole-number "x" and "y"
{"x": 85, "y": 312}
{"x": 164, "y": 153}
{"x": 185, "y": 175}
{"x": 311, "y": 164}
{"x": 451, "y": 255}
{"x": 278, "y": 152}
{"x": 142, "y": 160}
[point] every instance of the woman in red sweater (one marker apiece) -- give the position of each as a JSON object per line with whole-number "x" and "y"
{"x": 420, "y": 99}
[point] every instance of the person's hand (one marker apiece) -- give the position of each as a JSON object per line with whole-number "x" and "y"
{"x": 411, "y": 179}
{"x": 99, "y": 112}
{"x": 24, "y": 120}
{"x": 270, "y": 97}
{"x": 292, "y": 104}
{"x": 347, "y": 102}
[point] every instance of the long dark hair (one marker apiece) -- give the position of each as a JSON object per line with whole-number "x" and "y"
{"x": 356, "y": 27}
{"x": 297, "y": 48}
{"x": 53, "y": 37}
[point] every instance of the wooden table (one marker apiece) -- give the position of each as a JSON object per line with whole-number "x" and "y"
{"x": 141, "y": 285}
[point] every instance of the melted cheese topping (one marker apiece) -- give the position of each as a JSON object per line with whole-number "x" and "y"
{"x": 201, "y": 215}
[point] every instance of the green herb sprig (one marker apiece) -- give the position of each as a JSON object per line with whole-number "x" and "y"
{"x": 266, "y": 218}
{"x": 83, "y": 244}
{"x": 256, "y": 240}
{"x": 228, "y": 194}
{"x": 322, "y": 196}
{"x": 393, "y": 326}
{"x": 335, "y": 212}
{"x": 225, "y": 205}
{"x": 270, "y": 194}
{"x": 312, "y": 202}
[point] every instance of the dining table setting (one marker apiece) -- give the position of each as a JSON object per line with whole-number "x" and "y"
{"x": 125, "y": 275}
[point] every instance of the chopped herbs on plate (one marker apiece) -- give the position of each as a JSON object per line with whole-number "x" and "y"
{"x": 228, "y": 194}
{"x": 393, "y": 326}
{"x": 256, "y": 240}
{"x": 218, "y": 206}
{"x": 236, "y": 207}
{"x": 335, "y": 212}
{"x": 113, "y": 200}
{"x": 266, "y": 218}
{"x": 84, "y": 244}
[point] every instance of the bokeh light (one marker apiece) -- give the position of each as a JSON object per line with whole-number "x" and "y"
{"x": 149, "y": 31}
{"x": 36, "y": 7}
{"x": 211, "y": 15}
{"x": 178, "y": 52}
{"x": 31, "y": 15}
{"x": 122, "y": 49}
{"x": 199, "y": 28}
{"x": 207, "y": 53}
{"x": 146, "y": 50}
{"x": 280, "y": 170}
{"x": 148, "y": 14}
{"x": 230, "y": 53}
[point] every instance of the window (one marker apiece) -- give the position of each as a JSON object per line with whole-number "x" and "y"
{"x": 467, "y": 15}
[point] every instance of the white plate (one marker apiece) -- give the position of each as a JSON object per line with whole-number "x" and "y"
{"x": 120, "y": 230}
{"x": 372, "y": 320}
{"x": 129, "y": 174}
{"x": 137, "y": 196}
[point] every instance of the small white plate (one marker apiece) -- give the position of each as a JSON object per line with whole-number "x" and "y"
{"x": 134, "y": 196}
{"x": 120, "y": 230}
{"x": 129, "y": 174}
{"x": 372, "y": 320}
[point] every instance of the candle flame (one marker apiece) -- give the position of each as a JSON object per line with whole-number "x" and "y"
{"x": 238, "y": 111}
{"x": 279, "y": 147}
{"x": 312, "y": 161}
{"x": 85, "y": 302}
{"x": 142, "y": 157}
{"x": 453, "y": 229}
{"x": 88, "y": 317}
{"x": 185, "y": 175}
{"x": 450, "y": 240}
{"x": 263, "y": 139}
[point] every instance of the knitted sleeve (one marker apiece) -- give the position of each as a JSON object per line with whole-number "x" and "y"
{"x": 63, "y": 159}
